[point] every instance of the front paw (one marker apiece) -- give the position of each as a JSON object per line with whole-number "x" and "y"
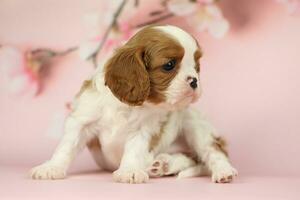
{"x": 130, "y": 176}
{"x": 224, "y": 174}
{"x": 47, "y": 170}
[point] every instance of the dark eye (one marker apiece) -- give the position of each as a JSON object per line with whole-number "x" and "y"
{"x": 170, "y": 65}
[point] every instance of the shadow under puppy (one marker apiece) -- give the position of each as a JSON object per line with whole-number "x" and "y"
{"x": 133, "y": 109}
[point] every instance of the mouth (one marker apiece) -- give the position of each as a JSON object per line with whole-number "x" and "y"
{"x": 189, "y": 97}
{"x": 194, "y": 97}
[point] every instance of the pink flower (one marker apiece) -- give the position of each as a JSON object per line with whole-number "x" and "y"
{"x": 209, "y": 18}
{"x": 206, "y": 1}
{"x": 186, "y": 7}
{"x": 293, "y": 6}
{"x": 119, "y": 35}
{"x": 205, "y": 15}
{"x": 20, "y": 71}
{"x": 89, "y": 47}
{"x": 181, "y": 7}
{"x": 96, "y": 25}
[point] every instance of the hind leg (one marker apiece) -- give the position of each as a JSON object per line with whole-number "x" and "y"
{"x": 200, "y": 135}
{"x": 168, "y": 164}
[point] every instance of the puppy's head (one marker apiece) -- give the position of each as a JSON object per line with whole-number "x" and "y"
{"x": 160, "y": 64}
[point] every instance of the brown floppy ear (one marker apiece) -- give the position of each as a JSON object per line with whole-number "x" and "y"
{"x": 127, "y": 77}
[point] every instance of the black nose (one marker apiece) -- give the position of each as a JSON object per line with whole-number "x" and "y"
{"x": 193, "y": 84}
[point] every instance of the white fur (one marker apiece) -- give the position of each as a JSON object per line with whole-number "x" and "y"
{"x": 125, "y": 131}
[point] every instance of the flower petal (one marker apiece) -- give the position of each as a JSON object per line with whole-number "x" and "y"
{"x": 199, "y": 20}
{"x": 18, "y": 84}
{"x": 205, "y": 1}
{"x": 33, "y": 89}
{"x": 94, "y": 23}
{"x": 181, "y": 7}
{"x": 293, "y": 6}
{"x": 87, "y": 48}
{"x": 218, "y": 28}
{"x": 213, "y": 11}
{"x": 11, "y": 60}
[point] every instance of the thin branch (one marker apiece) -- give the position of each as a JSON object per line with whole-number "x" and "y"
{"x": 164, "y": 3}
{"x": 113, "y": 23}
{"x": 55, "y": 53}
{"x": 106, "y": 34}
{"x": 67, "y": 51}
{"x": 164, "y": 17}
{"x": 156, "y": 12}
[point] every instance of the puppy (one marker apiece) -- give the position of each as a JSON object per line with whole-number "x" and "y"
{"x": 134, "y": 108}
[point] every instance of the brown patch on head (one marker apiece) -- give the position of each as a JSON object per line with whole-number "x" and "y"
{"x": 135, "y": 74}
{"x": 155, "y": 139}
{"x": 162, "y": 49}
{"x": 220, "y": 145}
{"x": 197, "y": 56}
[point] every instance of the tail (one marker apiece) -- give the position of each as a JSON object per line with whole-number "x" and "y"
{"x": 196, "y": 170}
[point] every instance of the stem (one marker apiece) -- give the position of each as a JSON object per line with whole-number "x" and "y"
{"x": 55, "y": 53}
{"x": 157, "y": 12}
{"x": 67, "y": 51}
{"x": 106, "y": 34}
{"x": 155, "y": 20}
{"x": 113, "y": 23}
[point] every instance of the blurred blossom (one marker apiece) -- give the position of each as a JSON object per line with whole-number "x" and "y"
{"x": 209, "y": 18}
{"x": 94, "y": 23}
{"x": 129, "y": 11}
{"x": 293, "y": 6}
{"x": 186, "y": 7}
{"x": 206, "y": 1}
{"x": 24, "y": 71}
{"x": 205, "y": 15}
{"x": 21, "y": 70}
{"x": 89, "y": 47}
{"x": 181, "y": 7}
{"x": 119, "y": 36}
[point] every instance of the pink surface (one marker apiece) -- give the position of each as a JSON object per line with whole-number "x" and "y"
{"x": 97, "y": 185}
{"x": 251, "y": 93}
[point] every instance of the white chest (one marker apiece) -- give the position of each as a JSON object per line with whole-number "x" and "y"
{"x": 117, "y": 124}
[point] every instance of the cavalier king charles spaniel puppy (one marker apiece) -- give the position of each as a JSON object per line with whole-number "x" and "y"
{"x": 132, "y": 112}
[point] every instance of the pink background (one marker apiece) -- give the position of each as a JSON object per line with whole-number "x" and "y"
{"x": 250, "y": 79}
